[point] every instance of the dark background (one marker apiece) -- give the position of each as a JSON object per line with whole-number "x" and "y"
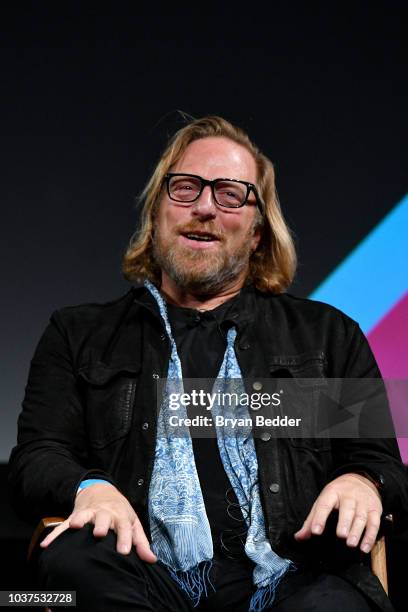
{"x": 89, "y": 94}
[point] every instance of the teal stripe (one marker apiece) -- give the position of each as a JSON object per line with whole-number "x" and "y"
{"x": 374, "y": 276}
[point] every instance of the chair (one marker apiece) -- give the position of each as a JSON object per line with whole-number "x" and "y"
{"x": 379, "y": 555}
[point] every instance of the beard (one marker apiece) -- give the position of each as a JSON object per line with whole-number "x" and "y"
{"x": 201, "y": 271}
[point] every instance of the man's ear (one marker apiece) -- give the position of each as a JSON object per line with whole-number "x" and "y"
{"x": 256, "y": 237}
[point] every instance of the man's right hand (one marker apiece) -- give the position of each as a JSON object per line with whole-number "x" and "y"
{"x": 105, "y": 507}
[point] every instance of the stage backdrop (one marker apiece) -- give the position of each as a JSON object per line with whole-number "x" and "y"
{"x": 89, "y": 98}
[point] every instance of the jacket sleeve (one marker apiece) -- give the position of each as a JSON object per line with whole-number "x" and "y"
{"x": 50, "y": 458}
{"x": 378, "y": 457}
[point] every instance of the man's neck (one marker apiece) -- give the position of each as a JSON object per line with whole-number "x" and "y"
{"x": 182, "y": 297}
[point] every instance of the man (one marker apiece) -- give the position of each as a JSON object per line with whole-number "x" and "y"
{"x": 156, "y": 521}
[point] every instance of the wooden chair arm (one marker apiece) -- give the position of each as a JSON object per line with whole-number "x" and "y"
{"x": 379, "y": 557}
{"x": 379, "y": 562}
{"x": 46, "y": 523}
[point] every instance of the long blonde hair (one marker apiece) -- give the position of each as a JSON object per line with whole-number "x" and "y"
{"x": 271, "y": 267}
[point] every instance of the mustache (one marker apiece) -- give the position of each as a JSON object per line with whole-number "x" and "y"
{"x": 210, "y": 228}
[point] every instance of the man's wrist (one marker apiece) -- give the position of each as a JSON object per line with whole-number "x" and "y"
{"x": 91, "y": 481}
{"x": 377, "y": 480}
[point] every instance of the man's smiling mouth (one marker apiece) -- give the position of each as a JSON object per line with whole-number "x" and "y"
{"x": 200, "y": 236}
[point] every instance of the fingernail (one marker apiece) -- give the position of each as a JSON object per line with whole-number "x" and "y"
{"x": 353, "y": 541}
{"x": 317, "y": 529}
{"x": 365, "y": 548}
{"x": 343, "y": 531}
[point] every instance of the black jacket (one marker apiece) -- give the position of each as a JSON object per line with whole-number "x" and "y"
{"x": 90, "y": 409}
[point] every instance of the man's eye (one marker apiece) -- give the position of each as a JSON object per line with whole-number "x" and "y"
{"x": 184, "y": 187}
{"x": 227, "y": 193}
{"x": 233, "y": 194}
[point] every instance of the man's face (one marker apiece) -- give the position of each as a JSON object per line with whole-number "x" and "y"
{"x": 207, "y": 266}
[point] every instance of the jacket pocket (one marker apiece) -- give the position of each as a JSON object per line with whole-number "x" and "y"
{"x": 310, "y": 364}
{"x": 303, "y": 375}
{"x": 108, "y": 395}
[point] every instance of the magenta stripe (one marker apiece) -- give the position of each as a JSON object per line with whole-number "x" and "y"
{"x": 389, "y": 342}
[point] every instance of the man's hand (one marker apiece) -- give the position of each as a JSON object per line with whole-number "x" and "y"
{"x": 359, "y": 504}
{"x": 105, "y": 507}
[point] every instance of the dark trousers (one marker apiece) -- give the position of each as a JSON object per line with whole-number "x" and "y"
{"x": 107, "y": 581}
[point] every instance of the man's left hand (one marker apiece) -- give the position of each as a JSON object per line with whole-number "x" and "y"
{"x": 359, "y": 504}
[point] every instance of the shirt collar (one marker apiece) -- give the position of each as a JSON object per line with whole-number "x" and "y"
{"x": 239, "y": 310}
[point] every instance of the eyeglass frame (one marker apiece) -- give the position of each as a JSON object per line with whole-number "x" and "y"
{"x": 204, "y": 182}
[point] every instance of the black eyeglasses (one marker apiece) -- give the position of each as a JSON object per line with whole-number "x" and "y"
{"x": 230, "y": 193}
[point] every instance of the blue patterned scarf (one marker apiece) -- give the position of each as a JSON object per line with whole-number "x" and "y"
{"x": 180, "y": 531}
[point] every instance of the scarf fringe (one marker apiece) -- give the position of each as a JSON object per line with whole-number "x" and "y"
{"x": 195, "y": 581}
{"x": 264, "y": 597}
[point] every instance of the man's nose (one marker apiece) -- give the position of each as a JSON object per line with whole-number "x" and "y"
{"x": 205, "y": 205}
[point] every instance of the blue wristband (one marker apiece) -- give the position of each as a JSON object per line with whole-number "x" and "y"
{"x": 91, "y": 481}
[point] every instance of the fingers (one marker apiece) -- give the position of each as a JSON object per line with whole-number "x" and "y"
{"x": 352, "y": 526}
{"x": 315, "y": 522}
{"x": 107, "y": 510}
{"x": 363, "y": 522}
{"x": 352, "y": 521}
{"x": 305, "y": 532}
{"x": 103, "y": 522}
{"x": 359, "y": 507}
{"x": 124, "y": 536}
{"x": 127, "y": 533}
{"x": 349, "y": 515}
{"x": 141, "y": 543}
{"x": 373, "y": 525}
{"x": 358, "y": 516}
{"x": 55, "y": 533}
{"x": 78, "y": 519}
{"x": 75, "y": 521}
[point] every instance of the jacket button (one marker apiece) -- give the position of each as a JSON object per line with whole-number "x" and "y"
{"x": 257, "y": 385}
{"x": 163, "y": 337}
{"x": 244, "y": 346}
{"x": 140, "y": 482}
{"x": 265, "y": 436}
{"x": 145, "y": 426}
{"x": 274, "y": 487}
{"x": 155, "y": 375}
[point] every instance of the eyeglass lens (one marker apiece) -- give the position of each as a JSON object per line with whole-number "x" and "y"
{"x": 227, "y": 193}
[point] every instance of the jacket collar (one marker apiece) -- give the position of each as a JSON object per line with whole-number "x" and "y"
{"x": 242, "y": 311}
{"x": 117, "y": 345}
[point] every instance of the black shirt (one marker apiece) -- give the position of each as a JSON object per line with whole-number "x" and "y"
{"x": 201, "y": 342}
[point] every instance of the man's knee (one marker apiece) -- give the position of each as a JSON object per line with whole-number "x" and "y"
{"x": 73, "y": 555}
{"x": 326, "y": 592}
{"x": 105, "y": 579}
